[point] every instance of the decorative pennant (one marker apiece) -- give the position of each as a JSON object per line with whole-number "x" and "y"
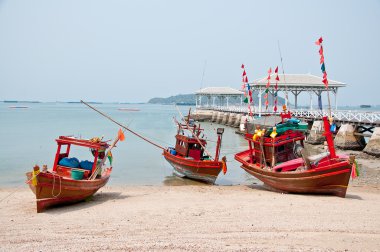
{"x": 247, "y": 92}
{"x": 276, "y": 90}
{"x": 322, "y": 62}
{"x": 319, "y": 41}
{"x": 267, "y": 89}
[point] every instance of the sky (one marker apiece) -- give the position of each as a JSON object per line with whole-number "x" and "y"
{"x": 131, "y": 51}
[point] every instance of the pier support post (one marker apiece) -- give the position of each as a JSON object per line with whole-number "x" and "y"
{"x": 231, "y": 119}
{"x": 225, "y": 118}
{"x": 237, "y": 120}
{"x": 373, "y": 145}
{"x": 213, "y": 117}
{"x": 219, "y": 117}
{"x": 345, "y": 138}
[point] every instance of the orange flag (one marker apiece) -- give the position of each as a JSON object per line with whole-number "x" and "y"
{"x": 120, "y": 135}
{"x": 224, "y": 165}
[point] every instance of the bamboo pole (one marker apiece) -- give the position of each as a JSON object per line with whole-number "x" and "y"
{"x": 121, "y": 125}
{"x": 98, "y": 167}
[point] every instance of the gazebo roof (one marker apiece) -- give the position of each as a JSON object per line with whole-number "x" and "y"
{"x": 218, "y": 91}
{"x": 298, "y": 80}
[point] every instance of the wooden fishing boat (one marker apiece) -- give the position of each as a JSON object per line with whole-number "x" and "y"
{"x": 188, "y": 157}
{"x": 67, "y": 183}
{"x": 326, "y": 173}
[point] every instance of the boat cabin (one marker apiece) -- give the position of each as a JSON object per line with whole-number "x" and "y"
{"x": 64, "y": 164}
{"x": 268, "y": 151}
{"x": 189, "y": 147}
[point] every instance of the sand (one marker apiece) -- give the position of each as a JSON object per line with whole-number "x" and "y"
{"x": 199, "y": 218}
{"x": 196, "y": 218}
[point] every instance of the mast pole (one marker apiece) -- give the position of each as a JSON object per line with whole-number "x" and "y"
{"x": 121, "y": 125}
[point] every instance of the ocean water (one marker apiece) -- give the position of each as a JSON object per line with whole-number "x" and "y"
{"x": 28, "y": 137}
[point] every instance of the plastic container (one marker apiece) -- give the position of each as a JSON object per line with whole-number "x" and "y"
{"x": 77, "y": 174}
{"x": 172, "y": 151}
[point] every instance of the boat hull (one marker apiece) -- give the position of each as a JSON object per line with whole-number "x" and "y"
{"x": 329, "y": 178}
{"x": 53, "y": 189}
{"x": 205, "y": 171}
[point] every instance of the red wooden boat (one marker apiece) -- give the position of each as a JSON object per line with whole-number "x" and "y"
{"x": 65, "y": 184}
{"x": 188, "y": 158}
{"x": 326, "y": 173}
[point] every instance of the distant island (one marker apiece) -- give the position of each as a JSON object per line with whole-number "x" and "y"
{"x": 182, "y": 99}
{"x": 189, "y": 99}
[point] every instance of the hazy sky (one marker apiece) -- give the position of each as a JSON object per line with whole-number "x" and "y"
{"x": 131, "y": 51}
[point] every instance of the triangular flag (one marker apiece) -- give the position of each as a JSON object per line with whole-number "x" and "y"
{"x": 276, "y": 70}
{"x": 354, "y": 170}
{"x": 323, "y": 68}
{"x": 321, "y": 51}
{"x": 244, "y": 73}
{"x": 242, "y": 66}
{"x": 120, "y": 135}
{"x": 110, "y": 157}
{"x": 319, "y": 41}
{"x": 277, "y": 78}
{"x": 322, "y": 60}
{"x": 270, "y": 71}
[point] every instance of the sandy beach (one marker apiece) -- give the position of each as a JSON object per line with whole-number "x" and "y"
{"x": 195, "y": 218}
{"x": 200, "y": 218}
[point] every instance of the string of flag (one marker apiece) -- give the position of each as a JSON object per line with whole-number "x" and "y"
{"x": 322, "y": 62}
{"x": 247, "y": 92}
{"x": 276, "y": 90}
{"x": 267, "y": 89}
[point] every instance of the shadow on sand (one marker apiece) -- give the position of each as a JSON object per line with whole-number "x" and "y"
{"x": 97, "y": 199}
{"x": 179, "y": 181}
{"x": 263, "y": 187}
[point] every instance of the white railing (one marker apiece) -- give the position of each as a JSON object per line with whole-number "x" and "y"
{"x": 356, "y": 116}
{"x": 342, "y": 115}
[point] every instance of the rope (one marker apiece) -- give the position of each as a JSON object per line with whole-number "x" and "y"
{"x": 17, "y": 188}
{"x": 60, "y": 186}
{"x": 125, "y": 127}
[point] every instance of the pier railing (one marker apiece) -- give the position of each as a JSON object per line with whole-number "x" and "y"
{"x": 345, "y": 116}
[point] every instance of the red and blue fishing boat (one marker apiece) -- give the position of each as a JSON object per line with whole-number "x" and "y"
{"x": 326, "y": 173}
{"x": 190, "y": 158}
{"x": 71, "y": 181}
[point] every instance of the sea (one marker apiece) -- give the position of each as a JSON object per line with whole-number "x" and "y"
{"x": 29, "y": 134}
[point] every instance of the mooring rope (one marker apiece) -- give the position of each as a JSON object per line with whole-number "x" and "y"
{"x": 17, "y": 188}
